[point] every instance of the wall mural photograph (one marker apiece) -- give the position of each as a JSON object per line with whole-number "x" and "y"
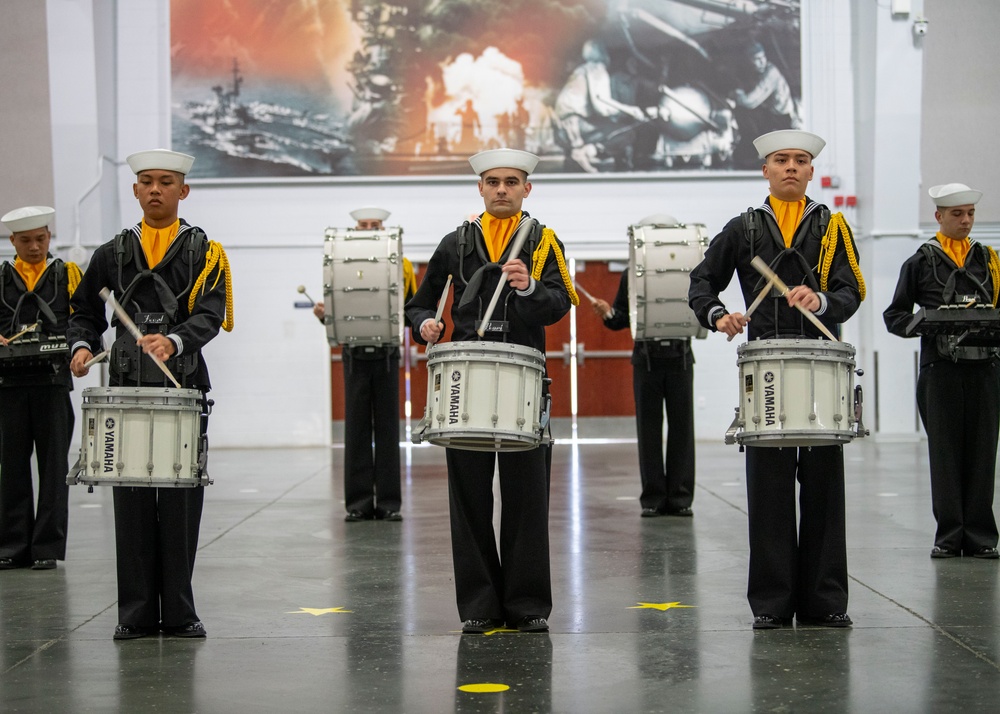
{"x": 271, "y": 88}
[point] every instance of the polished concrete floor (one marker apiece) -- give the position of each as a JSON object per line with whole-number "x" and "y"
{"x": 307, "y": 613}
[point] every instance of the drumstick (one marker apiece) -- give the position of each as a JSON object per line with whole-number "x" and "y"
{"x": 519, "y": 238}
{"x": 766, "y": 271}
{"x": 583, "y": 290}
{"x": 302, "y": 289}
{"x": 443, "y": 300}
{"x": 96, "y": 358}
{"x": 130, "y": 326}
{"x": 753, "y": 306}
{"x": 26, "y": 330}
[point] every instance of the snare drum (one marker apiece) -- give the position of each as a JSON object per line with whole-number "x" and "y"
{"x": 483, "y": 396}
{"x": 660, "y": 261}
{"x": 796, "y": 392}
{"x": 141, "y": 436}
{"x": 363, "y": 286}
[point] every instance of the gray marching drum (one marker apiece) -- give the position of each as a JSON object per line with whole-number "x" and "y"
{"x": 141, "y": 436}
{"x": 484, "y": 396}
{"x": 660, "y": 260}
{"x": 363, "y": 286}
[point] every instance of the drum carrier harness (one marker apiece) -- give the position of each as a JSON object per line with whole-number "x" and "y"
{"x": 127, "y": 360}
{"x": 948, "y": 346}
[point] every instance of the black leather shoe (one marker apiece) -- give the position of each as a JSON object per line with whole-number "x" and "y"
{"x": 44, "y": 564}
{"x": 479, "y": 625}
{"x": 8, "y": 564}
{"x": 939, "y": 552}
{"x": 650, "y": 513}
{"x": 839, "y": 619}
{"x": 532, "y": 624}
{"x": 355, "y": 516}
{"x": 193, "y": 629}
{"x": 682, "y": 512}
{"x": 391, "y": 516}
{"x": 767, "y": 622}
{"x": 986, "y": 553}
{"x": 131, "y": 632}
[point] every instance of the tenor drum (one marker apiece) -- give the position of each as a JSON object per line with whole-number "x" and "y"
{"x": 660, "y": 262}
{"x": 363, "y": 286}
{"x": 796, "y": 392}
{"x": 483, "y": 396}
{"x": 141, "y": 436}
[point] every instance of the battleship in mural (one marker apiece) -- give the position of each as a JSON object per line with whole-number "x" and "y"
{"x": 266, "y": 132}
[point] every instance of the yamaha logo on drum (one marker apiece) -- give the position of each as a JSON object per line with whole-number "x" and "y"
{"x": 109, "y": 445}
{"x": 769, "y": 410}
{"x": 454, "y": 397}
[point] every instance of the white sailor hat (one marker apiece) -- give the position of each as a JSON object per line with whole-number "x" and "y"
{"x": 788, "y": 139}
{"x": 369, "y": 213}
{"x": 659, "y": 219}
{"x": 503, "y": 159}
{"x": 161, "y": 159}
{"x": 28, "y": 218}
{"x": 954, "y": 194}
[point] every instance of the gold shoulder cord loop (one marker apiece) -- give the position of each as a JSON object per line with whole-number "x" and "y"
{"x": 993, "y": 264}
{"x": 838, "y": 226}
{"x": 215, "y": 256}
{"x": 548, "y": 243}
{"x": 409, "y": 279}
{"x": 73, "y": 277}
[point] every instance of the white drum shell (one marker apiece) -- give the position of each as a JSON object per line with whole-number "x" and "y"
{"x": 483, "y": 396}
{"x": 140, "y": 436}
{"x": 796, "y": 392}
{"x": 363, "y": 286}
{"x": 660, "y": 262}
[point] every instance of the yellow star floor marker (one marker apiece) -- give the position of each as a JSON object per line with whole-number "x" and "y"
{"x": 661, "y": 606}
{"x": 316, "y": 611}
{"x": 484, "y": 688}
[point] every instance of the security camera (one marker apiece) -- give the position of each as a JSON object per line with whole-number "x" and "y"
{"x": 920, "y": 27}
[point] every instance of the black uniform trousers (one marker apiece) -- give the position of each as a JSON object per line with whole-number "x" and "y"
{"x": 515, "y": 583}
{"x": 156, "y": 541}
{"x": 959, "y": 405}
{"x": 803, "y": 573}
{"x": 666, "y": 486}
{"x": 39, "y": 418}
{"x": 371, "y": 410}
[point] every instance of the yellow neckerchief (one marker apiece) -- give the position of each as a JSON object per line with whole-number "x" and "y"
{"x": 30, "y": 272}
{"x": 956, "y": 248}
{"x": 497, "y": 232}
{"x": 155, "y": 241}
{"x": 789, "y": 215}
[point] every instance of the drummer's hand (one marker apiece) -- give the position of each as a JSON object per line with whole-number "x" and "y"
{"x": 517, "y": 274}
{"x": 600, "y": 307}
{"x": 431, "y": 331}
{"x": 78, "y": 365}
{"x": 159, "y": 346}
{"x": 3, "y": 340}
{"x": 319, "y": 311}
{"x": 803, "y": 295}
{"x": 731, "y": 324}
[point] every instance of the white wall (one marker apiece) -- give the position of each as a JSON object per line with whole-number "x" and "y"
{"x": 270, "y": 374}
